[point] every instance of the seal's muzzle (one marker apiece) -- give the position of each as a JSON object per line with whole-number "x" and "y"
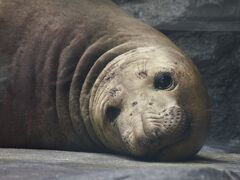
{"x": 170, "y": 123}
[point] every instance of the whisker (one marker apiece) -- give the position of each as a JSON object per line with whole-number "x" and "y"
{"x": 154, "y": 116}
{"x": 154, "y": 121}
{"x": 145, "y": 66}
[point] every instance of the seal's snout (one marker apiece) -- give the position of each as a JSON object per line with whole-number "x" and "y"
{"x": 172, "y": 122}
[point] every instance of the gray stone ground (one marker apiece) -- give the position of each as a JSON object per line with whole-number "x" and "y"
{"x": 45, "y": 164}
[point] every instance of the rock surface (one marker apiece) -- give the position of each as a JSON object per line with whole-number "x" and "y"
{"x": 193, "y": 15}
{"x": 45, "y": 164}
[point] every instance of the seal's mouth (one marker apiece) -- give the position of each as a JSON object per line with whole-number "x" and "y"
{"x": 171, "y": 122}
{"x": 160, "y": 130}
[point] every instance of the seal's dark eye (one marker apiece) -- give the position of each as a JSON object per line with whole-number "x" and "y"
{"x": 112, "y": 113}
{"x": 163, "y": 80}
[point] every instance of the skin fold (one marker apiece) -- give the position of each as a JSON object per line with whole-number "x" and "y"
{"x": 83, "y": 75}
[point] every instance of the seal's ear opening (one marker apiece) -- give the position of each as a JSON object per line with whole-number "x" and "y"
{"x": 112, "y": 113}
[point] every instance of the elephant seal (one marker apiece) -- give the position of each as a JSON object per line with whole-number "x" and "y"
{"x": 83, "y": 75}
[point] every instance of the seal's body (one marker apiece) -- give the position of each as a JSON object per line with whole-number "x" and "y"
{"x": 83, "y": 75}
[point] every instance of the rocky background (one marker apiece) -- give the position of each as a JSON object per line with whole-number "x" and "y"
{"x": 209, "y": 32}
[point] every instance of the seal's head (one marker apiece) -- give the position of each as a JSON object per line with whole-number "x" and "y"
{"x": 150, "y": 102}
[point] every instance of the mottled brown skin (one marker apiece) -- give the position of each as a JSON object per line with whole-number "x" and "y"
{"x": 64, "y": 63}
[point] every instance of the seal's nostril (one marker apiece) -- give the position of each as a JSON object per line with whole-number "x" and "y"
{"x": 134, "y": 103}
{"x": 112, "y": 113}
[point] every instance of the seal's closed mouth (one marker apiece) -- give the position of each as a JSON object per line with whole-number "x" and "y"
{"x": 171, "y": 122}
{"x": 160, "y": 131}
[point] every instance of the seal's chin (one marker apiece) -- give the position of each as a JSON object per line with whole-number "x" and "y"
{"x": 160, "y": 130}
